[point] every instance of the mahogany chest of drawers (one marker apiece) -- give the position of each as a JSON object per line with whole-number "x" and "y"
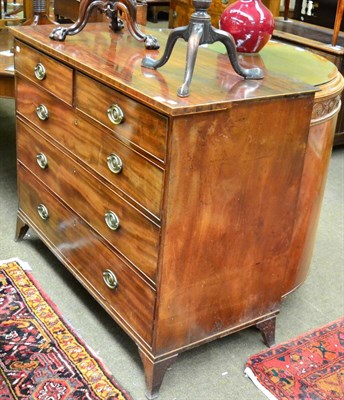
{"x": 181, "y": 217}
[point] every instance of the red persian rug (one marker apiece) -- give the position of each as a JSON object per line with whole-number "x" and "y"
{"x": 310, "y": 367}
{"x": 41, "y": 358}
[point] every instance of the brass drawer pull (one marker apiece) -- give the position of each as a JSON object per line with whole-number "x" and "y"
{"x": 114, "y": 163}
{"x": 110, "y": 279}
{"x": 115, "y": 114}
{"x": 42, "y": 112}
{"x": 43, "y": 211}
{"x": 42, "y": 160}
{"x": 40, "y": 72}
{"x": 112, "y": 221}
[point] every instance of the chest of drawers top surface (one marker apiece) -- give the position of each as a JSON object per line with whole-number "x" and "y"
{"x": 115, "y": 59}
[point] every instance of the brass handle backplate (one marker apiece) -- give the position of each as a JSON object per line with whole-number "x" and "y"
{"x": 115, "y": 114}
{"x": 112, "y": 221}
{"x": 40, "y": 72}
{"x": 110, "y": 279}
{"x": 43, "y": 211}
{"x": 114, "y": 163}
{"x": 42, "y": 160}
{"x": 42, "y": 112}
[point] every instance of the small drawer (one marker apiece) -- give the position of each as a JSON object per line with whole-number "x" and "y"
{"x": 134, "y": 236}
{"x": 138, "y": 178}
{"x": 129, "y": 119}
{"x": 131, "y": 300}
{"x": 53, "y": 76}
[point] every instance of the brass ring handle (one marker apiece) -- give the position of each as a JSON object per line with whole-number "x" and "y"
{"x": 111, "y": 220}
{"x": 43, "y": 211}
{"x": 42, "y": 112}
{"x": 110, "y": 279}
{"x": 114, "y": 163}
{"x": 39, "y": 71}
{"x": 115, "y": 114}
{"x": 42, "y": 160}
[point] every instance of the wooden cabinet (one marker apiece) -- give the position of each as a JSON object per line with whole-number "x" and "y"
{"x": 187, "y": 218}
{"x": 66, "y": 11}
{"x": 6, "y": 65}
{"x": 317, "y": 40}
{"x": 320, "y": 12}
{"x": 181, "y": 10}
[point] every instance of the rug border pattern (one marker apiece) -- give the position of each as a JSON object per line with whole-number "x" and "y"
{"x": 100, "y": 380}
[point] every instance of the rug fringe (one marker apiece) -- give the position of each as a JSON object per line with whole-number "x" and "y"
{"x": 24, "y": 265}
{"x": 249, "y": 373}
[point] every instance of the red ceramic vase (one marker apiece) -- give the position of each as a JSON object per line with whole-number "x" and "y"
{"x": 250, "y": 23}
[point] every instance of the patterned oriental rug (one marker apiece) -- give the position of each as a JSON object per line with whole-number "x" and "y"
{"x": 310, "y": 367}
{"x": 40, "y": 355}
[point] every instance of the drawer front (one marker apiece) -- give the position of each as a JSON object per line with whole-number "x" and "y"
{"x": 132, "y": 299}
{"x": 136, "y": 238}
{"x": 45, "y": 71}
{"x": 140, "y": 125}
{"x": 138, "y": 178}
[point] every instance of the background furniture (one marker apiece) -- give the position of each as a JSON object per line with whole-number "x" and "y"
{"x": 187, "y": 219}
{"x": 11, "y": 13}
{"x": 6, "y": 63}
{"x": 322, "y": 12}
{"x": 39, "y": 13}
{"x": 156, "y": 6}
{"x": 180, "y": 11}
{"x": 317, "y": 39}
{"x": 68, "y": 10}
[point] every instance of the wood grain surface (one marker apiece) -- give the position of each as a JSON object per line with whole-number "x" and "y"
{"x": 59, "y": 78}
{"x": 115, "y": 59}
{"x": 219, "y": 203}
{"x": 139, "y": 180}
{"x": 132, "y": 302}
{"x": 136, "y": 238}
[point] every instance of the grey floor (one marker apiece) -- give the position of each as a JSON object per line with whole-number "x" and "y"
{"x": 213, "y": 371}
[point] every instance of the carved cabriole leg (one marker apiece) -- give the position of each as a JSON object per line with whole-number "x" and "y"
{"x": 193, "y": 43}
{"x": 268, "y": 329}
{"x": 110, "y": 8}
{"x": 175, "y": 34}
{"x": 128, "y": 9}
{"x": 21, "y": 229}
{"x": 60, "y": 32}
{"x": 227, "y": 40}
{"x": 155, "y": 372}
{"x": 199, "y": 32}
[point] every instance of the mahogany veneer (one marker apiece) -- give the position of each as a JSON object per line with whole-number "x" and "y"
{"x": 217, "y": 194}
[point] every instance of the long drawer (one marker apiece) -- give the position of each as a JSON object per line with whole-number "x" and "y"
{"x": 128, "y": 230}
{"x": 134, "y": 175}
{"x": 44, "y": 71}
{"x": 129, "y": 119}
{"x": 132, "y": 300}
